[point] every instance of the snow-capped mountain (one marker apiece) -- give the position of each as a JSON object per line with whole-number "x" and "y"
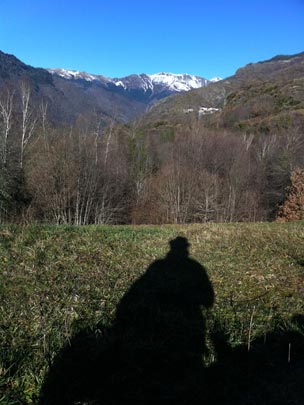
{"x": 146, "y": 89}
{"x": 71, "y": 94}
{"x": 75, "y": 75}
{"x": 178, "y": 82}
{"x": 154, "y": 83}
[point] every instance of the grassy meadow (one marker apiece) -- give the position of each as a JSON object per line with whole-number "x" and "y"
{"x": 58, "y": 281}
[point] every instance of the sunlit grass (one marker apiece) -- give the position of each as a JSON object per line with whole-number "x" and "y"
{"x": 57, "y": 280}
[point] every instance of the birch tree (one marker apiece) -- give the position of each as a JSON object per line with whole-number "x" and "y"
{"x": 28, "y": 121}
{"x": 6, "y": 113}
{"x": 43, "y": 108}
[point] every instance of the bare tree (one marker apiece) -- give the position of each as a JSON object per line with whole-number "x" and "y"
{"x": 6, "y": 112}
{"x": 43, "y": 108}
{"x": 28, "y": 120}
{"x": 108, "y": 142}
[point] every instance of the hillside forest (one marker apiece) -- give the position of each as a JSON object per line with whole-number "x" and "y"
{"x": 231, "y": 166}
{"x": 88, "y": 174}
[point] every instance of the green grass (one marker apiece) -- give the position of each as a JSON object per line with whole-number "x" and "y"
{"x": 56, "y": 281}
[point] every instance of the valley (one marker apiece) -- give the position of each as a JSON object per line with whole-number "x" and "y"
{"x": 82, "y": 149}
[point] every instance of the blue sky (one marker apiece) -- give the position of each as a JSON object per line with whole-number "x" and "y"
{"x": 119, "y": 37}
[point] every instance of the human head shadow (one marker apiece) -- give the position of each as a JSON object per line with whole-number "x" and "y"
{"x": 153, "y": 352}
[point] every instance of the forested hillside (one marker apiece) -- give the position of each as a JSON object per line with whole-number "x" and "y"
{"x": 260, "y": 97}
{"x": 179, "y": 163}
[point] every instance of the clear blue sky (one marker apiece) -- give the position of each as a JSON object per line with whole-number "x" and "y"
{"x": 119, "y": 37}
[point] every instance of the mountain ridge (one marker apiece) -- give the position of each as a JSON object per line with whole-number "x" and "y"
{"x": 247, "y": 95}
{"x": 143, "y": 87}
{"x": 175, "y": 81}
{"x": 258, "y": 96}
{"x": 71, "y": 94}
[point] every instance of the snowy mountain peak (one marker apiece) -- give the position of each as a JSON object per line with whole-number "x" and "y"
{"x": 142, "y": 87}
{"x": 76, "y": 75}
{"x": 178, "y": 82}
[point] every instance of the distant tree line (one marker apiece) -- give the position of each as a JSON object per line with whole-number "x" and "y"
{"x": 88, "y": 174}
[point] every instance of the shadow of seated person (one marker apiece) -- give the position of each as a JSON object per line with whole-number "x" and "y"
{"x": 153, "y": 352}
{"x": 160, "y": 328}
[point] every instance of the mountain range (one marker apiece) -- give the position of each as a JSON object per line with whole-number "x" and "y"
{"x": 151, "y": 85}
{"x": 259, "y": 96}
{"x": 70, "y": 94}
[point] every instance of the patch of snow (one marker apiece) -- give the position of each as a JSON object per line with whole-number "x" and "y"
{"x": 215, "y": 79}
{"x": 120, "y": 83}
{"x": 178, "y": 82}
{"x": 147, "y": 83}
{"x": 75, "y": 75}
